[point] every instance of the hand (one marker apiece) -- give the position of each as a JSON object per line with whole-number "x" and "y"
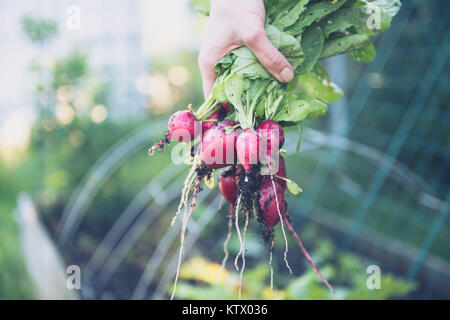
{"x": 233, "y": 24}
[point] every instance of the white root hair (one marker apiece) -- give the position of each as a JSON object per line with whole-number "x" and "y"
{"x": 225, "y": 245}
{"x": 243, "y": 252}
{"x": 271, "y": 265}
{"x": 282, "y": 225}
{"x": 238, "y": 230}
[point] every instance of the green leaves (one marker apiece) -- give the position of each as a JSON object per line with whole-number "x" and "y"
{"x": 365, "y": 54}
{"x": 304, "y": 31}
{"x": 312, "y": 44}
{"x": 318, "y": 85}
{"x": 247, "y": 64}
{"x": 218, "y": 91}
{"x": 292, "y": 186}
{"x": 344, "y": 44}
{"x": 380, "y": 13}
{"x": 300, "y": 107}
{"x": 309, "y": 99}
{"x": 233, "y": 89}
{"x": 202, "y": 6}
{"x": 312, "y": 13}
{"x": 288, "y": 45}
{"x": 344, "y": 19}
{"x": 354, "y": 26}
{"x": 243, "y": 61}
{"x": 292, "y": 16}
{"x": 365, "y": 17}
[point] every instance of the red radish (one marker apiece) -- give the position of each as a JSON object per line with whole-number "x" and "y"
{"x": 182, "y": 120}
{"x": 181, "y": 127}
{"x": 209, "y": 124}
{"x": 281, "y": 170}
{"x": 228, "y": 188}
{"x": 218, "y": 148}
{"x": 281, "y": 173}
{"x": 217, "y": 116}
{"x": 247, "y": 148}
{"x": 267, "y": 203}
{"x": 226, "y": 106}
{"x": 267, "y": 209}
{"x": 272, "y": 138}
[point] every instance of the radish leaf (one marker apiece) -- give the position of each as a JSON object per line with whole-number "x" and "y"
{"x": 312, "y": 44}
{"x": 314, "y": 12}
{"x": 365, "y": 54}
{"x": 318, "y": 85}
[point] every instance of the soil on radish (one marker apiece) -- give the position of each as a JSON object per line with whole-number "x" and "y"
{"x": 248, "y": 185}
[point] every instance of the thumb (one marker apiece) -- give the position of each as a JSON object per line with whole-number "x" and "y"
{"x": 268, "y": 55}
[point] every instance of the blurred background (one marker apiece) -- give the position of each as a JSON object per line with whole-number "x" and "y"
{"x": 87, "y": 86}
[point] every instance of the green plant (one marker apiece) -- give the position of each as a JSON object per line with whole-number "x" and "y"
{"x": 14, "y": 279}
{"x": 201, "y": 279}
{"x": 39, "y": 30}
{"x": 70, "y": 70}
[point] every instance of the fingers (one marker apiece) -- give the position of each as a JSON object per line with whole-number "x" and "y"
{"x": 272, "y": 59}
{"x": 268, "y": 55}
{"x": 206, "y": 61}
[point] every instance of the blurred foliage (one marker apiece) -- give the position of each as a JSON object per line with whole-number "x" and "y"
{"x": 172, "y": 82}
{"x": 39, "y": 30}
{"x": 201, "y": 279}
{"x": 78, "y": 144}
{"x": 14, "y": 280}
{"x": 70, "y": 70}
{"x": 69, "y": 84}
{"x": 60, "y": 151}
{"x": 67, "y": 138}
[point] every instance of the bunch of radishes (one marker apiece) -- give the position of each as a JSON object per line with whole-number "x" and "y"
{"x": 255, "y": 180}
{"x": 223, "y": 143}
{"x": 240, "y": 125}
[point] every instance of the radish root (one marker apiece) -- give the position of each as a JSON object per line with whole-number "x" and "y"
{"x": 282, "y": 226}
{"x": 183, "y": 231}
{"x": 238, "y": 230}
{"x": 159, "y": 146}
{"x": 271, "y": 265}
{"x": 225, "y": 244}
{"x": 243, "y": 252}
{"x": 307, "y": 256}
{"x": 188, "y": 182}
